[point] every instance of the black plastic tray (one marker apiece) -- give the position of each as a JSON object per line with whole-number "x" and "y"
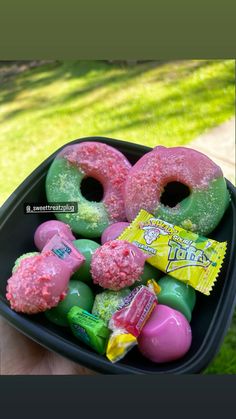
{"x": 211, "y": 316}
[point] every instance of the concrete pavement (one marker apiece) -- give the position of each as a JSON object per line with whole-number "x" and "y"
{"x": 219, "y": 145}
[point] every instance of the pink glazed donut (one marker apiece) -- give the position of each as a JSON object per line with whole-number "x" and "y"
{"x": 63, "y": 184}
{"x": 200, "y": 210}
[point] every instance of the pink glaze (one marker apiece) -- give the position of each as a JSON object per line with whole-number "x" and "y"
{"x": 106, "y": 164}
{"x": 149, "y": 176}
{"x": 40, "y": 282}
{"x": 166, "y": 336}
{"x": 117, "y": 264}
{"x": 66, "y": 252}
{"x": 113, "y": 231}
{"x": 47, "y": 230}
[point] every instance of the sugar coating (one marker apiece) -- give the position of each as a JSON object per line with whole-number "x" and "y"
{"x": 63, "y": 185}
{"x": 39, "y": 283}
{"x": 108, "y": 166}
{"x": 22, "y": 257}
{"x": 107, "y": 302}
{"x": 117, "y": 264}
{"x": 201, "y": 211}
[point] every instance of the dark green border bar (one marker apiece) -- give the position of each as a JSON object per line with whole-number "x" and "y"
{"x": 127, "y": 29}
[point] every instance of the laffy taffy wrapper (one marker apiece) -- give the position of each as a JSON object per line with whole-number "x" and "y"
{"x": 186, "y": 256}
{"x": 127, "y": 322}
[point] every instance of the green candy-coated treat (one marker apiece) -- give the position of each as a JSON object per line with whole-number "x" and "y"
{"x": 87, "y": 248}
{"x": 107, "y": 302}
{"x": 150, "y": 272}
{"x": 79, "y": 294}
{"x": 20, "y": 258}
{"x": 177, "y": 295}
{"x": 89, "y": 329}
{"x": 63, "y": 185}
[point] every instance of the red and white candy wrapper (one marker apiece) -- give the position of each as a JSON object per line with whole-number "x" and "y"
{"x": 128, "y": 321}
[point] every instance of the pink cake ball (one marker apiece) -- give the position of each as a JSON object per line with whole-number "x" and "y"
{"x": 48, "y": 229}
{"x": 39, "y": 283}
{"x": 166, "y": 336}
{"x": 113, "y": 231}
{"x": 117, "y": 264}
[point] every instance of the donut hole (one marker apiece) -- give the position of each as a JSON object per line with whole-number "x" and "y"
{"x": 174, "y": 192}
{"x": 91, "y": 189}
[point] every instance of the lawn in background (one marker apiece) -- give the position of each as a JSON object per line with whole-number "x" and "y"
{"x": 151, "y": 103}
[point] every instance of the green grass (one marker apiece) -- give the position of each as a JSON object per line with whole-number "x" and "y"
{"x": 150, "y": 103}
{"x": 225, "y": 361}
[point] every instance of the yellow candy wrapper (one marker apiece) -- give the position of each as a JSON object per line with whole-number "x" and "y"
{"x": 119, "y": 344}
{"x": 193, "y": 259}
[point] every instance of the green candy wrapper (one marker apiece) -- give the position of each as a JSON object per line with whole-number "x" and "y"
{"x": 89, "y": 329}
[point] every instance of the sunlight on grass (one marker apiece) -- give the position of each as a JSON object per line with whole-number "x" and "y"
{"x": 150, "y": 103}
{"x": 225, "y": 361}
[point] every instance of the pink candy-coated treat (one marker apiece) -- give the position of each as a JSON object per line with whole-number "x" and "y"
{"x": 106, "y": 164}
{"x": 48, "y": 229}
{"x": 117, "y": 264}
{"x": 154, "y": 170}
{"x": 113, "y": 231}
{"x": 40, "y": 282}
{"x": 166, "y": 336}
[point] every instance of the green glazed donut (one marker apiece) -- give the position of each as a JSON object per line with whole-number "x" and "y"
{"x": 63, "y": 184}
{"x": 201, "y": 211}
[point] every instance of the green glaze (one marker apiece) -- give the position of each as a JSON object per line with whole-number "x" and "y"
{"x": 149, "y": 273}
{"x": 79, "y": 294}
{"x": 87, "y": 248}
{"x": 63, "y": 185}
{"x": 20, "y": 258}
{"x": 107, "y": 302}
{"x": 201, "y": 211}
{"x": 177, "y": 295}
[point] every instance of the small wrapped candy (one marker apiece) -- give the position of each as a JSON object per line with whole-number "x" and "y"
{"x": 188, "y": 257}
{"x": 128, "y": 321}
{"x": 88, "y": 328}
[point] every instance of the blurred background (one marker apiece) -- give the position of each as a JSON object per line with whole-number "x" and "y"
{"x": 45, "y": 104}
